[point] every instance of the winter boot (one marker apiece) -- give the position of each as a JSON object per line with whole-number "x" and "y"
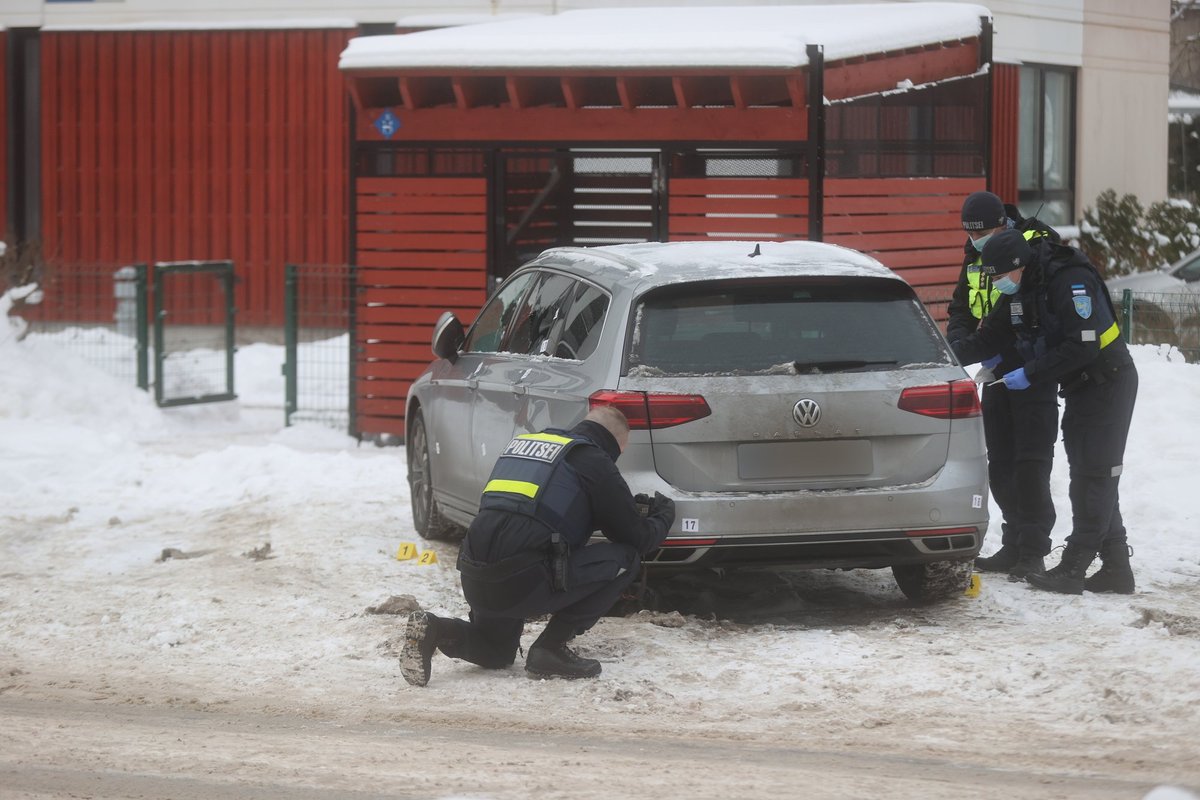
{"x": 1115, "y": 574}
{"x": 1027, "y": 563}
{"x": 557, "y": 661}
{"x": 1067, "y": 577}
{"x": 549, "y": 656}
{"x": 420, "y": 640}
{"x": 1002, "y": 560}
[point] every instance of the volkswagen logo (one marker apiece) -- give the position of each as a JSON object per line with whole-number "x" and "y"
{"x": 806, "y": 413}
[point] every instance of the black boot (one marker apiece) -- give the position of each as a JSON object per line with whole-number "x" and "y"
{"x": 420, "y": 640}
{"x": 1067, "y": 577}
{"x": 549, "y": 656}
{"x": 1002, "y": 560}
{"x": 557, "y": 661}
{"x": 1027, "y": 564}
{"x": 1115, "y": 574}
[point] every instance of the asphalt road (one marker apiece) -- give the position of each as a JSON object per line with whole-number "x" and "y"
{"x": 73, "y": 747}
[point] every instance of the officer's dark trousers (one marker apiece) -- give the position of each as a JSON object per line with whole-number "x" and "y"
{"x": 1095, "y": 427}
{"x": 1020, "y": 428}
{"x": 598, "y": 574}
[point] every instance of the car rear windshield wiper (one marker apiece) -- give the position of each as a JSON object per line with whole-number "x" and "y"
{"x": 842, "y": 365}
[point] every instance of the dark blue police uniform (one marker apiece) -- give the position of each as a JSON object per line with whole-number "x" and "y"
{"x": 1064, "y": 326}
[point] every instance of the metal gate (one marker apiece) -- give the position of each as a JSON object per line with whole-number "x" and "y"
{"x": 193, "y": 332}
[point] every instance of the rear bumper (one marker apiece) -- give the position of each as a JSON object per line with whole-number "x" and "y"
{"x": 942, "y": 519}
{"x": 863, "y": 550}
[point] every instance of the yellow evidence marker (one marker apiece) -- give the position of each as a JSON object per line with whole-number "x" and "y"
{"x": 427, "y": 557}
{"x": 976, "y": 583}
{"x": 407, "y": 551}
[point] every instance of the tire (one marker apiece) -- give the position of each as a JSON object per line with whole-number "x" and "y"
{"x": 427, "y": 515}
{"x": 929, "y": 583}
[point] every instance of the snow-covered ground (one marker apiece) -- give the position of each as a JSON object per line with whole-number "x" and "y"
{"x": 96, "y": 483}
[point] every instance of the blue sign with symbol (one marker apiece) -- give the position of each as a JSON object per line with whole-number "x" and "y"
{"x": 1083, "y": 306}
{"x": 387, "y": 124}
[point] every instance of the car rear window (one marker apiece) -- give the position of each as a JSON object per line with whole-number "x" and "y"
{"x": 799, "y": 326}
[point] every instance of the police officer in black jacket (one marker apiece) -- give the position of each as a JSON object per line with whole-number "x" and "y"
{"x": 527, "y": 554}
{"x": 1058, "y": 313}
{"x": 1019, "y": 428}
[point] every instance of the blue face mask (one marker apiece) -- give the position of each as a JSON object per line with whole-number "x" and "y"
{"x": 1006, "y": 285}
{"x": 981, "y": 241}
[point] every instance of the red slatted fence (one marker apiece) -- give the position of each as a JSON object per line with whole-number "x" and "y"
{"x": 421, "y": 249}
{"x": 738, "y": 208}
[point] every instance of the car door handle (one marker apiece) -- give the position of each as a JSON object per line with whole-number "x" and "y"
{"x": 472, "y": 383}
{"x": 519, "y": 389}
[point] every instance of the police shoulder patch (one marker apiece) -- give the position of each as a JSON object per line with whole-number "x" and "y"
{"x": 1083, "y": 305}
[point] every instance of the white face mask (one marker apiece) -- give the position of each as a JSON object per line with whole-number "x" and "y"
{"x": 1006, "y": 285}
{"x": 981, "y": 241}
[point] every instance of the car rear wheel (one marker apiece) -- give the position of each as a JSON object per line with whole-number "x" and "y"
{"x": 928, "y": 583}
{"x": 427, "y": 515}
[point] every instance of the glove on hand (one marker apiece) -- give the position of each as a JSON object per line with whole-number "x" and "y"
{"x": 641, "y": 502}
{"x": 990, "y": 363}
{"x": 1016, "y": 379}
{"x": 663, "y": 506}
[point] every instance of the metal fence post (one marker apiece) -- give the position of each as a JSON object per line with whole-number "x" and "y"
{"x": 159, "y": 314}
{"x": 143, "y": 332}
{"x": 289, "y": 343}
{"x": 1127, "y": 315}
{"x": 230, "y": 338}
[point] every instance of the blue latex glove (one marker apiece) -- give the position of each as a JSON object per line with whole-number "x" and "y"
{"x": 1016, "y": 379}
{"x": 990, "y": 363}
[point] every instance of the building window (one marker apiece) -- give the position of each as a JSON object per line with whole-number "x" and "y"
{"x": 1046, "y": 144}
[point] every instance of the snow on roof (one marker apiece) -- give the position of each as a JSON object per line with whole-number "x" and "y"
{"x": 720, "y": 36}
{"x": 1180, "y": 101}
{"x": 732, "y": 259}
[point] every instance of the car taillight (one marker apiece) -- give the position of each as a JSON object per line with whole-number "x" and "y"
{"x": 953, "y": 400}
{"x": 650, "y": 410}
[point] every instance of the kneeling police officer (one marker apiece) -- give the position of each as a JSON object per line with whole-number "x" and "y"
{"x": 526, "y": 552}
{"x": 1058, "y": 312}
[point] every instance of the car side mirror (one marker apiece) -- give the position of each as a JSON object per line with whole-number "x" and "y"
{"x": 448, "y": 336}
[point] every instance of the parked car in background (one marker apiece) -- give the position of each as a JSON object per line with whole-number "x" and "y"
{"x": 1165, "y": 304}
{"x": 795, "y": 400}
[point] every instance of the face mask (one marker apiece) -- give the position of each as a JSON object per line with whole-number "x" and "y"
{"x": 981, "y": 241}
{"x": 1006, "y": 285}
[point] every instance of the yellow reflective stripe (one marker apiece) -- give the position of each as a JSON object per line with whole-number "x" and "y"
{"x": 545, "y": 437}
{"x": 1109, "y": 336}
{"x": 512, "y": 487}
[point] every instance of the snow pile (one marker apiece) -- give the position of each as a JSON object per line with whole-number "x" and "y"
{"x": 136, "y": 570}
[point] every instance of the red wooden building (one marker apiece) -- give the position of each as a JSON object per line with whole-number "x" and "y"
{"x": 474, "y": 149}
{"x": 137, "y": 146}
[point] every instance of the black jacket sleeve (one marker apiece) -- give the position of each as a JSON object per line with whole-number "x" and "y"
{"x": 613, "y": 511}
{"x": 994, "y": 335}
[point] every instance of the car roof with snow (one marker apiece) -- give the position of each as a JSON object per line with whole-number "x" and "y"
{"x": 634, "y": 265}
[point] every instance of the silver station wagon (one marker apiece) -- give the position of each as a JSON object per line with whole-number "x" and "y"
{"x": 794, "y": 399}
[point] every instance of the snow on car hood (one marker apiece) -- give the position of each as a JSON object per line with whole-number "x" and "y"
{"x": 1155, "y": 281}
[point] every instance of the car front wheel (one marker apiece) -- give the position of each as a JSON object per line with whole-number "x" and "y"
{"x": 928, "y": 583}
{"x": 427, "y": 516}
